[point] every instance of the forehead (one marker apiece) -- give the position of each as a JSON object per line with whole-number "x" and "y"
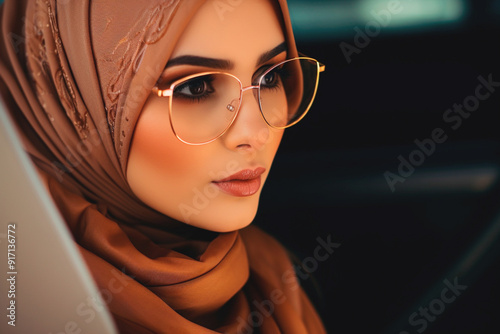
{"x": 234, "y": 30}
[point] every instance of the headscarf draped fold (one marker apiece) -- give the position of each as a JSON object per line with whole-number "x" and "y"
{"x": 75, "y": 76}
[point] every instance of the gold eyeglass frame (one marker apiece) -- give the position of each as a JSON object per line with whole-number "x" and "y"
{"x": 169, "y": 92}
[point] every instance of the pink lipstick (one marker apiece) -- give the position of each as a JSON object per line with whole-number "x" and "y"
{"x": 244, "y": 183}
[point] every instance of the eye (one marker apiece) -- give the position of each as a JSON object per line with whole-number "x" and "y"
{"x": 197, "y": 87}
{"x": 274, "y": 78}
{"x": 270, "y": 79}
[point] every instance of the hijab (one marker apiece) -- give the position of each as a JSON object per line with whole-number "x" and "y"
{"x": 74, "y": 76}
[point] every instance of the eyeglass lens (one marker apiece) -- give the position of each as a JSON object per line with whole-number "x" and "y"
{"x": 204, "y": 106}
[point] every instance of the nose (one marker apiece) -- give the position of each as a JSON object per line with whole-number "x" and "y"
{"x": 249, "y": 130}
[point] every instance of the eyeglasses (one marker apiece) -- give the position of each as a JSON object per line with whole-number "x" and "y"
{"x": 203, "y": 106}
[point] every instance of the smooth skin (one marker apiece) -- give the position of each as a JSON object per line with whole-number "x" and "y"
{"x": 175, "y": 178}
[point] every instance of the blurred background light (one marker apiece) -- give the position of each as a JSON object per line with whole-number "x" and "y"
{"x": 326, "y": 19}
{"x": 416, "y": 12}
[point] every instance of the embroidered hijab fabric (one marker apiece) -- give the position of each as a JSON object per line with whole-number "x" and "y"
{"x": 75, "y": 75}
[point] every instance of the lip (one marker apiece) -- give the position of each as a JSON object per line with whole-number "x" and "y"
{"x": 245, "y": 183}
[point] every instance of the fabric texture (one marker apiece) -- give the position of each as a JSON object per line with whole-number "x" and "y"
{"x": 74, "y": 76}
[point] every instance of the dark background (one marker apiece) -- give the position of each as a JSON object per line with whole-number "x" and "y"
{"x": 442, "y": 223}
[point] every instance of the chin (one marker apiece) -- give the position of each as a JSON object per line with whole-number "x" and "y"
{"x": 225, "y": 219}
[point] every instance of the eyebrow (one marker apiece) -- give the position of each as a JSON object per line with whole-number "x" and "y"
{"x": 222, "y": 64}
{"x": 266, "y": 56}
{"x": 201, "y": 61}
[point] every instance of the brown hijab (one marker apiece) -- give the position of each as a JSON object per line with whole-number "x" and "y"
{"x": 74, "y": 76}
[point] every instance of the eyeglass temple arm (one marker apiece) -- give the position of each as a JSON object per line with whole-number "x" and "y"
{"x": 322, "y": 66}
{"x": 162, "y": 92}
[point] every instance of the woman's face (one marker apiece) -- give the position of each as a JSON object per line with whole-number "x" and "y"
{"x": 184, "y": 181}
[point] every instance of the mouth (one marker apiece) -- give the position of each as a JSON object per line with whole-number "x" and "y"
{"x": 242, "y": 184}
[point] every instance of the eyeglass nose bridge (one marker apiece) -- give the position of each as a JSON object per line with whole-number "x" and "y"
{"x": 230, "y": 106}
{"x": 244, "y": 89}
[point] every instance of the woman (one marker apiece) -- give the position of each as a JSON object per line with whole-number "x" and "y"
{"x": 154, "y": 125}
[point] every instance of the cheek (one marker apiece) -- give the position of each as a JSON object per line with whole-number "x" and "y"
{"x": 154, "y": 148}
{"x": 268, "y": 141}
{"x": 158, "y": 154}
{"x": 160, "y": 167}
{"x": 273, "y": 143}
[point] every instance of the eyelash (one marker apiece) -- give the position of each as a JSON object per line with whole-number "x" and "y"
{"x": 164, "y": 82}
{"x": 283, "y": 74}
{"x": 206, "y": 80}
